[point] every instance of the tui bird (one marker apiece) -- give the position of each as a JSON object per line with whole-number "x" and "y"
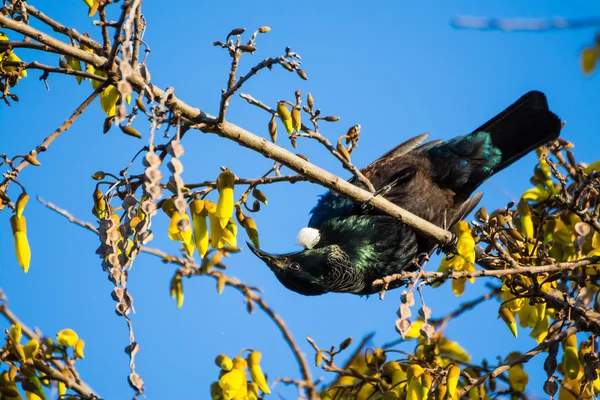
{"x": 348, "y": 245}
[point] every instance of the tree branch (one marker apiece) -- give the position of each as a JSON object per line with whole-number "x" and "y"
{"x": 53, "y": 136}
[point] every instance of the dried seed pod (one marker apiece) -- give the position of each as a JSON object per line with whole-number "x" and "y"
{"x": 140, "y": 104}
{"x": 302, "y": 74}
{"x": 247, "y": 48}
{"x": 128, "y": 130}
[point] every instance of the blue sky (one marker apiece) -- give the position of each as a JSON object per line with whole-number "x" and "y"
{"x": 396, "y": 68}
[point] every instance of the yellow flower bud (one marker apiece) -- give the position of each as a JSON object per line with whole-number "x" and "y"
{"x": 22, "y": 249}
{"x": 225, "y": 184}
{"x": 67, "y": 337}
{"x": 296, "y": 119}
{"x": 509, "y": 319}
{"x": 16, "y": 332}
{"x": 285, "y": 116}
{"x": 224, "y": 362}
{"x": 78, "y": 350}
{"x": 176, "y": 289}
{"x": 200, "y": 234}
{"x": 251, "y": 231}
{"x": 31, "y": 348}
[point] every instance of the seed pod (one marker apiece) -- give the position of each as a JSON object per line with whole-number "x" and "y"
{"x": 264, "y": 29}
{"x": 273, "y": 128}
{"x": 296, "y": 119}
{"x": 302, "y": 74}
{"x": 140, "y": 103}
{"x": 247, "y": 48}
{"x": 310, "y": 101}
{"x": 225, "y": 184}
{"x": 130, "y": 131}
{"x": 285, "y": 116}
{"x": 22, "y": 249}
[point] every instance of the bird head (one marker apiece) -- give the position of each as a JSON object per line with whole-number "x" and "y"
{"x": 305, "y": 272}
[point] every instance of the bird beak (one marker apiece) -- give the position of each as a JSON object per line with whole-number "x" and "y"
{"x": 269, "y": 259}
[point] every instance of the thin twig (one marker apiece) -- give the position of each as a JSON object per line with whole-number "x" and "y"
{"x": 257, "y": 181}
{"x": 54, "y": 135}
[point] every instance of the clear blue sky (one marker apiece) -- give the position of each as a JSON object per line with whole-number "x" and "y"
{"x": 397, "y": 69}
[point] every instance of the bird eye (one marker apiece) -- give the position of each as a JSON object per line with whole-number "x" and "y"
{"x": 294, "y": 266}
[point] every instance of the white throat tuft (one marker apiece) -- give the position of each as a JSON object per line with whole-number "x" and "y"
{"x": 308, "y": 237}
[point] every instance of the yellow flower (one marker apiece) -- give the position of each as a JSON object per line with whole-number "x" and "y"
{"x": 225, "y": 184}
{"x": 67, "y": 337}
{"x": 22, "y": 249}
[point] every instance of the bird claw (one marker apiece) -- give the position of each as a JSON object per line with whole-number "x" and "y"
{"x": 449, "y": 247}
{"x": 384, "y": 189}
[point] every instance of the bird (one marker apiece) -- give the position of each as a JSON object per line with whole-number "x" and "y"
{"x": 348, "y": 245}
